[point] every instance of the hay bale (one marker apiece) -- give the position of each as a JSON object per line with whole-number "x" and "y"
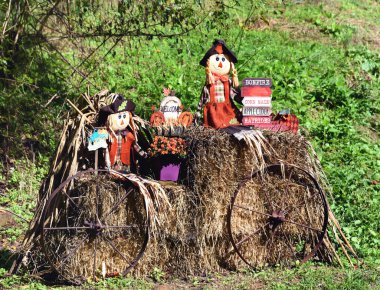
{"x": 217, "y": 163}
{"x": 191, "y": 236}
{"x": 72, "y": 250}
{"x": 195, "y": 233}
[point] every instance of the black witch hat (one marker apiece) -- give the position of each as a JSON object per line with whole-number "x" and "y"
{"x": 120, "y": 104}
{"x": 218, "y": 47}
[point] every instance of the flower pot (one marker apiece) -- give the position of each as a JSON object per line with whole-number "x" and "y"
{"x": 167, "y": 167}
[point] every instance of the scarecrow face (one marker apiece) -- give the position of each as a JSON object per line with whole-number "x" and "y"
{"x": 219, "y": 64}
{"x": 119, "y": 121}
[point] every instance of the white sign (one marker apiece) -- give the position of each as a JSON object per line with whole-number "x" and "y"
{"x": 98, "y": 139}
{"x": 257, "y": 101}
{"x": 171, "y": 108}
{"x": 257, "y": 111}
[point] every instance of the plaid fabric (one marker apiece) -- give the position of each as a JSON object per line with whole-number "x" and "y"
{"x": 287, "y": 122}
{"x": 205, "y": 98}
{"x": 292, "y": 122}
{"x": 219, "y": 92}
{"x": 118, "y": 151}
{"x": 118, "y": 163}
{"x": 119, "y": 166}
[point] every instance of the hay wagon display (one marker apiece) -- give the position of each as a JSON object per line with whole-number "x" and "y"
{"x": 280, "y": 208}
{"x": 238, "y": 197}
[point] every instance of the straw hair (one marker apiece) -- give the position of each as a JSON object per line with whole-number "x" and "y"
{"x": 132, "y": 125}
{"x": 209, "y": 76}
{"x": 235, "y": 80}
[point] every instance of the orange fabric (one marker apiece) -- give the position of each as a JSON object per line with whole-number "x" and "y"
{"x": 219, "y": 115}
{"x": 126, "y": 145}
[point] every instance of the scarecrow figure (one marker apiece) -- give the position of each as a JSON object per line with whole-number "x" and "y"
{"x": 219, "y": 110}
{"x": 118, "y": 119}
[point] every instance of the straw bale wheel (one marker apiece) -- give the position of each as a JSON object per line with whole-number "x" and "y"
{"x": 97, "y": 225}
{"x": 280, "y": 211}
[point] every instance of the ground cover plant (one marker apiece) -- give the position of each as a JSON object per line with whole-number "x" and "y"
{"x": 323, "y": 57}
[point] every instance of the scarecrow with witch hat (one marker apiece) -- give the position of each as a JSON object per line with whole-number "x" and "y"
{"x": 118, "y": 119}
{"x": 219, "y": 110}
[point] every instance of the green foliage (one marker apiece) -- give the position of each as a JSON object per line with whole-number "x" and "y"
{"x": 21, "y": 197}
{"x": 44, "y": 48}
{"x": 311, "y": 277}
{"x": 320, "y": 56}
{"x": 157, "y": 275}
{"x": 122, "y": 283}
{"x": 307, "y": 276}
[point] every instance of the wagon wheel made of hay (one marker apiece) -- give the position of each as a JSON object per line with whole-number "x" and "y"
{"x": 277, "y": 216}
{"x": 95, "y": 225}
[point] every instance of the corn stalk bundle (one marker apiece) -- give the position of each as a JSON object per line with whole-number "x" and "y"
{"x": 72, "y": 156}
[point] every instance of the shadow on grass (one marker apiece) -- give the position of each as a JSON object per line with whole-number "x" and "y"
{"x": 7, "y": 258}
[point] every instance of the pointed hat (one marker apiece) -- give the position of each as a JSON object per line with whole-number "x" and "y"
{"x": 218, "y": 47}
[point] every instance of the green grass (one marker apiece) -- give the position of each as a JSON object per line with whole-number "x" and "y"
{"x": 307, "y": 276}
{"x": 324, "y": 60}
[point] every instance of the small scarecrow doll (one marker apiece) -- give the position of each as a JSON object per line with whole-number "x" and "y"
{"x": 219, "y": 110}
{"x": 118, "y": 119}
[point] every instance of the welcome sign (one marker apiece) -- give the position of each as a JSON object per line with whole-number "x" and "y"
{"x": 171, "y": 107}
